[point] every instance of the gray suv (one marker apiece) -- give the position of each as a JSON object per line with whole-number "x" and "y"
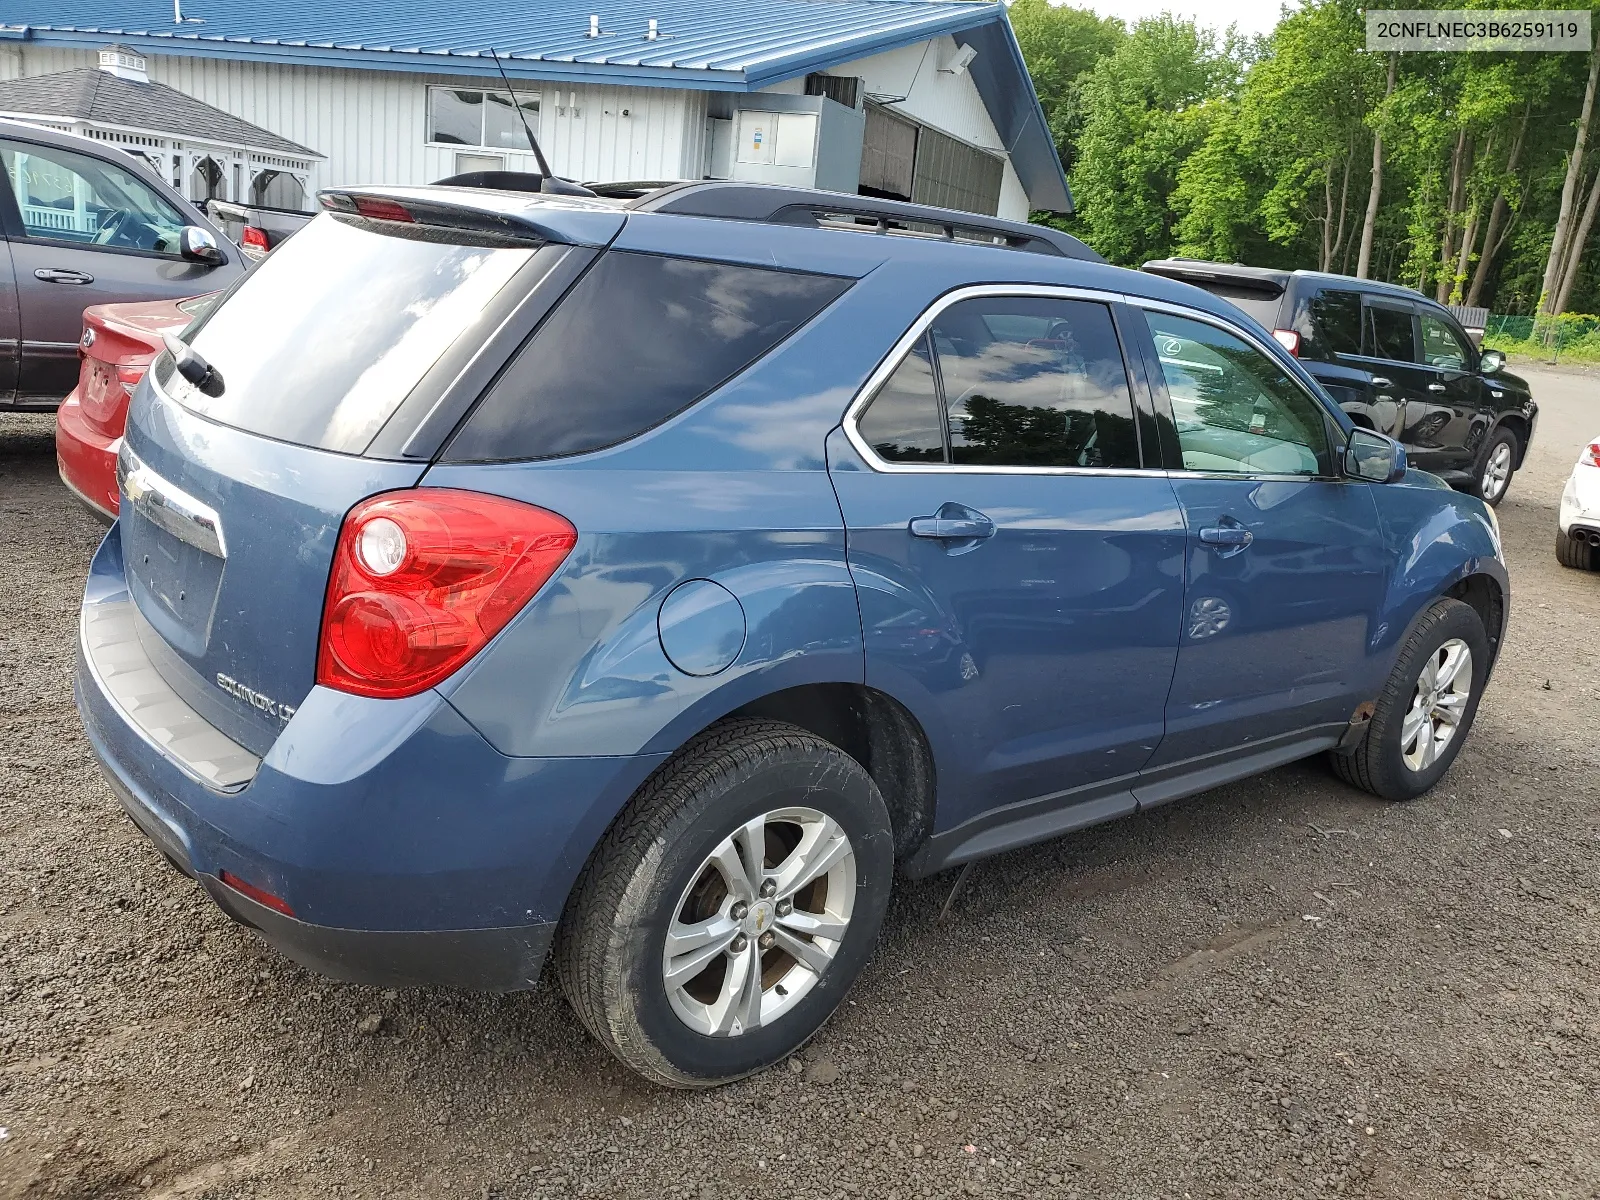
{"x": 82, "y": 223}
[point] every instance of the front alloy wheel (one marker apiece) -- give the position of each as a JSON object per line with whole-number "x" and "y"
{"x": 1438, "y": 703}
{"x": 1499, "y": 463}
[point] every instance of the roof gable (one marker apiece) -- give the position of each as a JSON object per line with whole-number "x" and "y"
{"x": 90, "y": 94}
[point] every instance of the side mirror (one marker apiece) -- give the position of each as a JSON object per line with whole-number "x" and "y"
{"x": 198, "y": 245}
{"x": 1373, "y": 457}
{"x": 1490, "y": 362}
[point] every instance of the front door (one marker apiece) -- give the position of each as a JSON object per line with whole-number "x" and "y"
{"x": 88, "y": 231}
{"x": 1285, "y": 569}
{"x": 1020, "y": 576}
{"x": 1455, "y": 389}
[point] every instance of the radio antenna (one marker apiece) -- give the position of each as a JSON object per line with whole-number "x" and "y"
{"x": 544, "y": 167}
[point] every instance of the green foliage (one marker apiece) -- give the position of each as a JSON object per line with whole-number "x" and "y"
{"x": 1179, "y": 140}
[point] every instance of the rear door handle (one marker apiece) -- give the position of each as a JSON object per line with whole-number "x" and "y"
{"x": 953, "y": 522}
{"x": 1436, "y": 387}
{"x": 58, "y": 275}
{"x": 1378, "y": 381}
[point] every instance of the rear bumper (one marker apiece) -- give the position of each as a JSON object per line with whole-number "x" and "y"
{"x": 1580, "y": 501}
{"x": 87, "y": 459}
{"x": 409, "y": 850}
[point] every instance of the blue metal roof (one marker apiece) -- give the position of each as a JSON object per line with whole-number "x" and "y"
{"x": 731, "y": 45}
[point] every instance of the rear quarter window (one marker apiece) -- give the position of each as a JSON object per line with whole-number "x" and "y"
{"x": 639, "y": 339}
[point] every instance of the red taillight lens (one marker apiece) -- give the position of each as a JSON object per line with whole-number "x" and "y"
{"x": 253, "y": 239}
{"x": 259, "y": 895}
{"x": 382, "y": 210}
{"x": 422, "y": 580}
{"x": 1591, "y": 455}
{"x": 1288, "y": 339}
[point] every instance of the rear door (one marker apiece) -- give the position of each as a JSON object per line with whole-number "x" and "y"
{"x": 89, "y": 231}
{"x": 1389, "y": 343}
{"x": 1285, "y": 564}
{"x": 1019, "y": 572}
{"x": 10, "y": 323}
{"x": 1332, "y": 352}
{"x": 1453, "y": 385}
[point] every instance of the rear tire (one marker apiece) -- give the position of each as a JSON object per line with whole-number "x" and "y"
{"x": 1492, "y": 476}
{"x": 1406, "y": 749}
{"x": 708, "y": 854}
{"x": 1576, "y": 553}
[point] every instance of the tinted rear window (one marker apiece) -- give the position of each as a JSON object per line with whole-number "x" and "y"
{"x": 323, "y": 339}
{"x": 1336, "y": 317}
{"x": 640, "y": 338}
{"x": 1262, "y": 307}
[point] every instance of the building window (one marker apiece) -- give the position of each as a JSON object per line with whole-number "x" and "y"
{"x": 841, "y": 89}
{"x": 467, "y": 117}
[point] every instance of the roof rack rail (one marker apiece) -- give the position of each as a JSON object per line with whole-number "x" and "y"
{"x": 777, "y": 205}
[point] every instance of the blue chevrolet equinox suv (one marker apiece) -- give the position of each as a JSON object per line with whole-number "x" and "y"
{"x": 640, "y": 584}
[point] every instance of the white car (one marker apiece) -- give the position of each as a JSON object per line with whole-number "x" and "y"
{"x": 1578, "y": 527}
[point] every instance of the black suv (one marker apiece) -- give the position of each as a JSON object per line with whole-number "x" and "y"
{"x": 1394, "y": 360}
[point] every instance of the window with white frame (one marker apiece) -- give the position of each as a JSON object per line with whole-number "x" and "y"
{"x": 469, "y": 117}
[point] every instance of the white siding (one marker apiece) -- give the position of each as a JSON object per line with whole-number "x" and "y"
{"x": 371, "y": 125}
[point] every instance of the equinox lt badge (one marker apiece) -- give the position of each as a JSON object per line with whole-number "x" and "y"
{"x": 254, "y": 698}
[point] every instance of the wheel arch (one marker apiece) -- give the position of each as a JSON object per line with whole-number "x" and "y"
{"x": 1517, "y": 425}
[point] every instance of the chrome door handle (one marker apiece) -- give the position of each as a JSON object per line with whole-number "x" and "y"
{"x": 1436, "y": 387}
{"x": 1379, "y": 381}
{"x": 58, "y": 275}
{"x": 953, "y": 522}
{"x": 1227, "y": 537}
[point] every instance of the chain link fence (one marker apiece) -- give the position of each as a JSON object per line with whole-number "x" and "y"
{"x": 1571, "y": 337}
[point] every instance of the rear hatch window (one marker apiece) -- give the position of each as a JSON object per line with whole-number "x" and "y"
{"x": 321, "y": 342}
{"x": 640, "y": 338}
{"x": 1260, "y": 305}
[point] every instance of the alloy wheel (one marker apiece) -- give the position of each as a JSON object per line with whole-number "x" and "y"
{"x": 1497, "y": 471}
{"x": 1438, "y": 705}
{"x": 760, "y": 922}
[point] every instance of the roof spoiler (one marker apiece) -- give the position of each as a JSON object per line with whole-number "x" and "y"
{"x": 775, "y": 205}
{"x": 570, "y": 220}
{"x": 1187, "y": 270}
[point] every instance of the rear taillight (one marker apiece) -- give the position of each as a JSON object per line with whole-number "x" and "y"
{"x": 1288, "y": 339}
{"x": 423, "y": 579}
{"x": 1591, "y": 455}
{"x": 129, "y": 374}
{"x": 254, "y": 239}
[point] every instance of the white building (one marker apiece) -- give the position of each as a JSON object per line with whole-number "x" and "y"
{"x": 918, "y": 99}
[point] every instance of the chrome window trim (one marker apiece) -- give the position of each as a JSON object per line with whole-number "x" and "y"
{"x": 891, "y": 363}
{"x": 168, "y": 506}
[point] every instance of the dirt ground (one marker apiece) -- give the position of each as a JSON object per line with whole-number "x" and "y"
{"x": 1277, "y": 989}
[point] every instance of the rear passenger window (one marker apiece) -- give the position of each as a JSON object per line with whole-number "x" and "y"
{"x": 1034, "y": 382}
{"x": 1336, "y": 316}
{"x": 903, "y": 423}
{"x": 1387, "y": 334}
{"x": 1009, "y": 381}
{"x": 640, "y": 338}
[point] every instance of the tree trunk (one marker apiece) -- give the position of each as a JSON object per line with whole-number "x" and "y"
{"x": 1569, "y": 272}
{"x": 1374, "y": 194}
{"x": 1569, "y": 189}
{"x": 1499, "y": 228}
{"x": 1327, "y": 216}
{"x": 1468, "y": 239}
{"x": 1344, "y": 201}
{"x": 1452, "y": 210}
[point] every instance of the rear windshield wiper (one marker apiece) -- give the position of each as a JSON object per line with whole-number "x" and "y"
{"x": 193, "y": 366}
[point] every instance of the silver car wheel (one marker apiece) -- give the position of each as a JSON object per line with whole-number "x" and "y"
{"x": 1497, "y": 471}
{"x": 1437, "y": 705}
{"x": 760, "y": 922}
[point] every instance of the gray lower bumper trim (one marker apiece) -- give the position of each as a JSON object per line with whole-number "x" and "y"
{"x": 113, "y": 652}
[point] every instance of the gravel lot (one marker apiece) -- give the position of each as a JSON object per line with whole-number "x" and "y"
{"x": 1276, "y": 989}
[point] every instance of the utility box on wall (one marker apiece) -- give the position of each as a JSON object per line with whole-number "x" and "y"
{"x": 801, "y": 141}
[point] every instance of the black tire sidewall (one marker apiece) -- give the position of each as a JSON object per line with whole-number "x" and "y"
{"x": 1455, "y": 620}
{"x": 811, "y": 780}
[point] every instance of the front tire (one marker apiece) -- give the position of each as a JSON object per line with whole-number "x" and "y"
{"x": 730, "y": 907}
{"x": 1426, "y": 709}
{"x": 1496, "y": 467}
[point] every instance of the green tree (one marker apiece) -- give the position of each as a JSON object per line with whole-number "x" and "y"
{"x": 1145, "y": 113}
{"x": 1060, "y": 44}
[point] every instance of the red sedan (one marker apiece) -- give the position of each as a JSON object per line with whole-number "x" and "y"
{"x": 119, "y": 343}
